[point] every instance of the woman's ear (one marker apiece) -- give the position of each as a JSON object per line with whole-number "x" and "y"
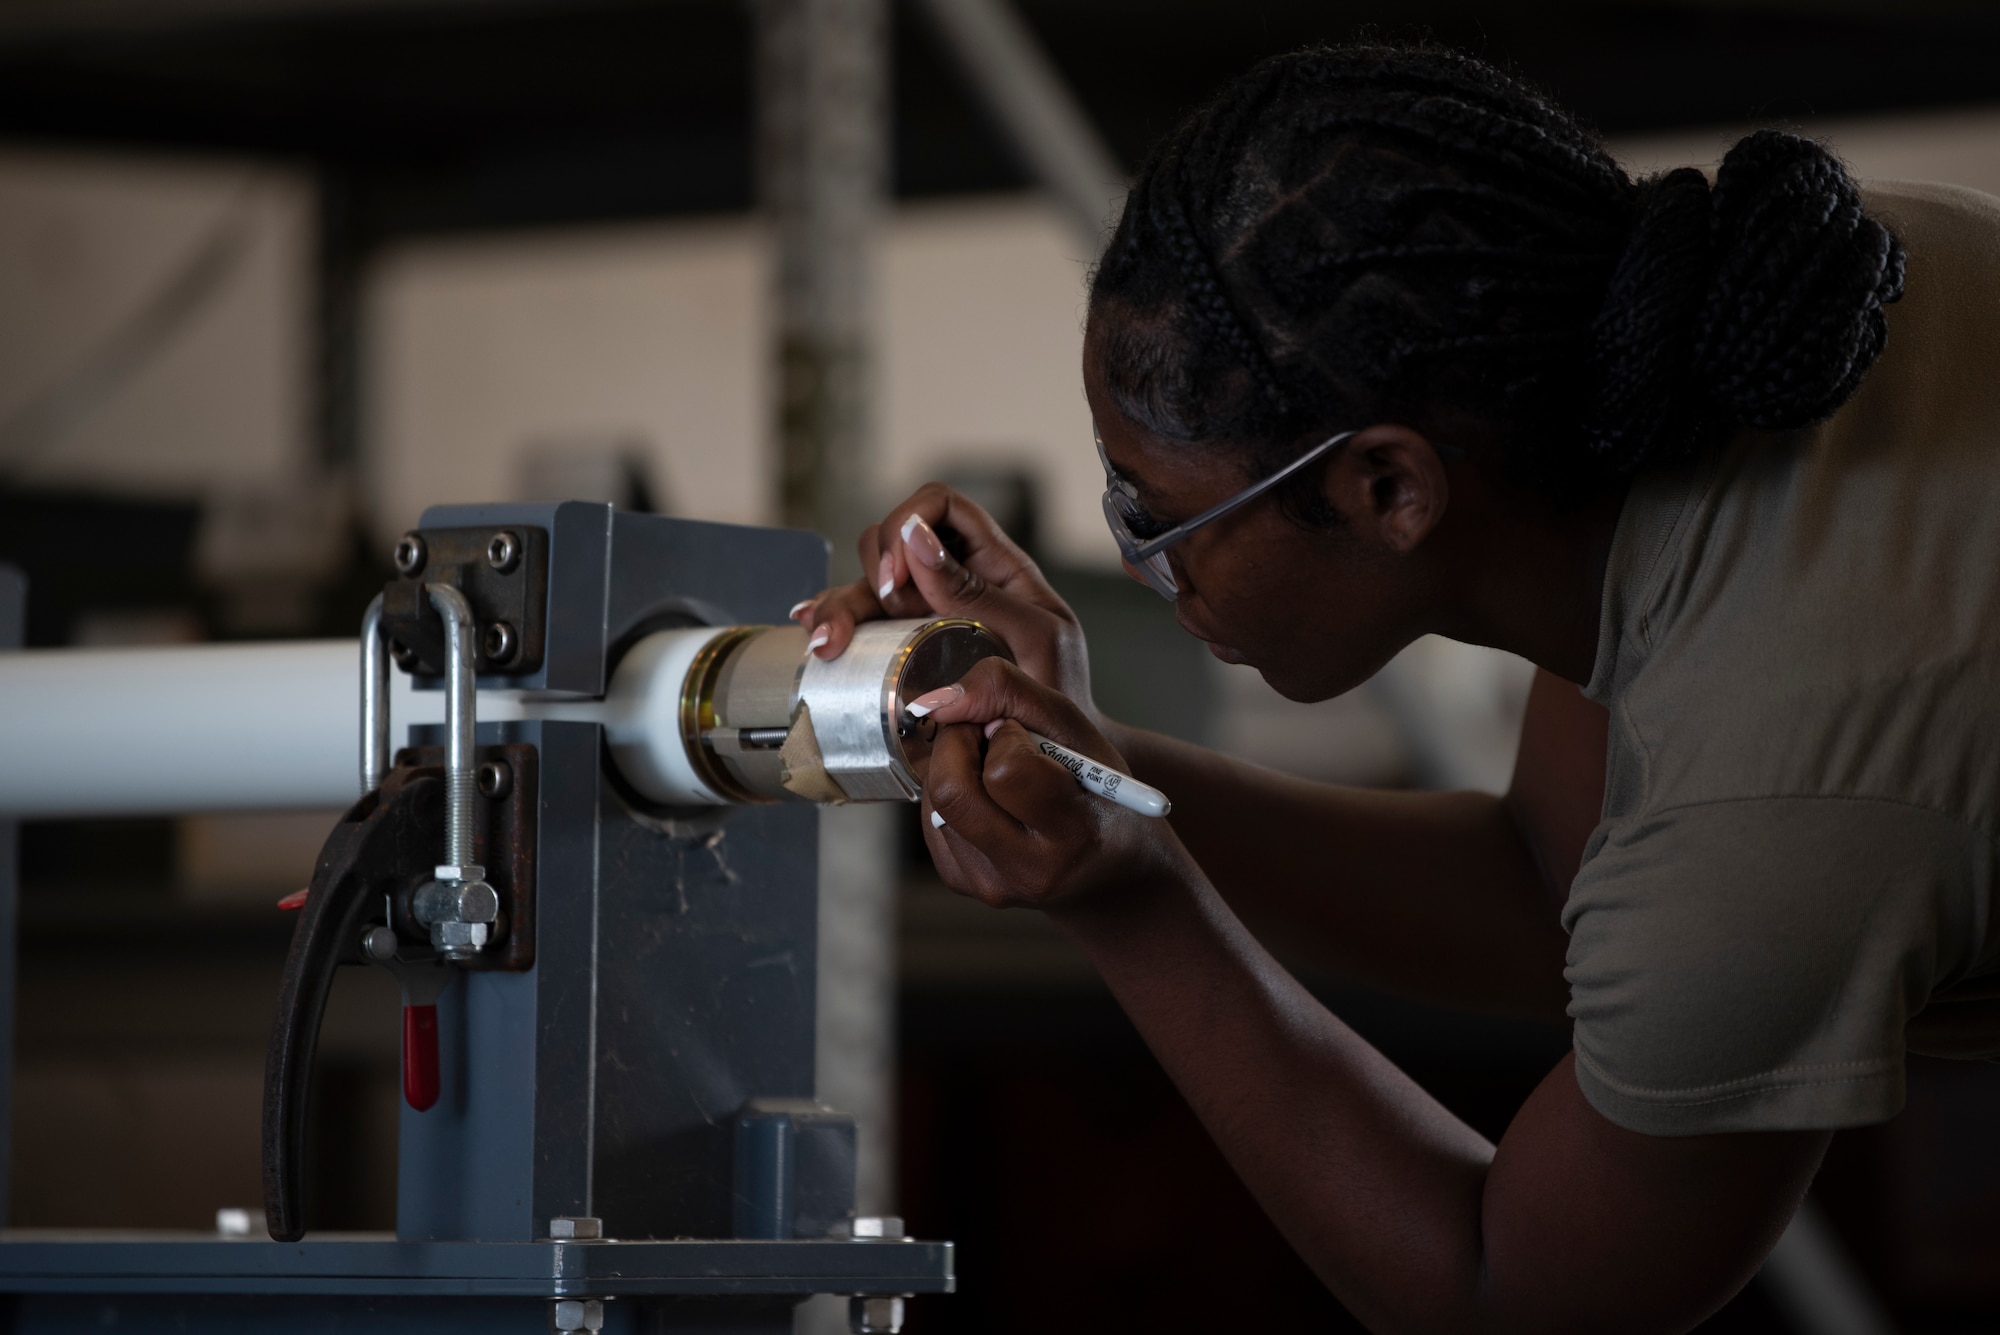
{"x": 1390, "y": 485}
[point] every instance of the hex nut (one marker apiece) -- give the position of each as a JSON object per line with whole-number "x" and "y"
{"x": 573, "y": 1314}
{"x": 503, "y": 552}
{"x": 874, "y": 1314}
{"x": 411, "y": 553}
{"x": 458, "y": 937}
{"x": 872, "y": 1228}
{"x": 576, "y": 1228}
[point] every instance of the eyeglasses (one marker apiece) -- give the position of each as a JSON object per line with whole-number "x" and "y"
{"x": 1148, "y": 556}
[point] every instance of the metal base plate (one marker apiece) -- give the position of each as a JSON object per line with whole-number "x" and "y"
{"x": 376, "y": 1265}
{"x": 273, "y": 1314}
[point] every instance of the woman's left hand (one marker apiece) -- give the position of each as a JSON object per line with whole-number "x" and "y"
{"x": 1009, "y": 826}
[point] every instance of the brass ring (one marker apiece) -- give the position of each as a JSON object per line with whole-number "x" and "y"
{"x": 697, "y": 712}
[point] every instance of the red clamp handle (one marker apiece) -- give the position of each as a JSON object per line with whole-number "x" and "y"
{"x": 420, "y": 1056}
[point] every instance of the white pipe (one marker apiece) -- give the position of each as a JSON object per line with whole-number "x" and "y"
{"x": 237, "y": 727}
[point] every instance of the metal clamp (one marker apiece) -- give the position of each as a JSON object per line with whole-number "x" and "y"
{"x": 458, "y": 907}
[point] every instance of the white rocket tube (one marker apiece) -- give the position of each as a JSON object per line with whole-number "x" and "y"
{"x": 237, "y": 727}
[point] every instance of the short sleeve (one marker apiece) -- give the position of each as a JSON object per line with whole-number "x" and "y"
{"x": 1750, "y": 965}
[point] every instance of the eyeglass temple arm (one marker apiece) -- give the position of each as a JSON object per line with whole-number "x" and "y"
{"x": 1154, "y": 546}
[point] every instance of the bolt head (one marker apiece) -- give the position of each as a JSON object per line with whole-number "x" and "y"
{"x": 411, "y": 553}
{"x": 499, "y": 643}
{"x": 478, "y": 902}
{"x": 875, "y": 1314}
{"x": 457, "y": 911}
{"x": 576, "y": 1228}
{"x": 496, "y": 779}
{"x": 503, "y": 552}
{"x": 379, "y": 944}
{"x": 232, "y": 1223}
{"x": 573, "y": 1314}
{"x": 872, "y": 1228}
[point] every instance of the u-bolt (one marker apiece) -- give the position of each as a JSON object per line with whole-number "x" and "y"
{"x": 460, "y": 785}
{"x": 374, "y": 699}
{"x": 460, "y": 692}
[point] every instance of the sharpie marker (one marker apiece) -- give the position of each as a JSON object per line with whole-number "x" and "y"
{"x": 1123, "y": 789}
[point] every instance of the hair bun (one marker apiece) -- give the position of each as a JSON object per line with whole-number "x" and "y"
{"x": 1644, "y": 336}
{"x": 1756, "y": 304}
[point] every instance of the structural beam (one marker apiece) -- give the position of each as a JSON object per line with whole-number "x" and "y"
{"x": 1023, "y": 92}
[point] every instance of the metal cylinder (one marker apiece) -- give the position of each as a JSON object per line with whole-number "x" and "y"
{"x": 740, "y": 714}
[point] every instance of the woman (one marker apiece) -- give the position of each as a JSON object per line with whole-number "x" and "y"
{"x": 1663, "y": 440}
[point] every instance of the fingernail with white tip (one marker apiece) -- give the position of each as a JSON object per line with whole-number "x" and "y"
{"x": 937, "y": 821}
{"x": 821, "y": 634}
{"x": 931, "y": 700}
{"x": 888, "y": 574}
{"x": 994, "y": 727}
{"x": 922, "y": 543}
{"x": 797, "y": 608}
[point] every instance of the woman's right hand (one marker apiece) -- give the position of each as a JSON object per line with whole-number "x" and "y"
{"x": 938, "y": 554}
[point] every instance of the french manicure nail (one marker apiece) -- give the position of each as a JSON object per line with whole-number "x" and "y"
{"x": 888, "y": 576}
{"x": 922, "y": 543}
{"x": 797, "y": 608}
{"x": 931, "y": 700}
{"x": 994, "y": 727}
{"x": 937, "y": 821}
{"x": 821, "y": 634}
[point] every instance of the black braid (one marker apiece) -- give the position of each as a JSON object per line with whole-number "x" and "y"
{"x": 1209, "y": 301}
{"x": 1379, "y": 233}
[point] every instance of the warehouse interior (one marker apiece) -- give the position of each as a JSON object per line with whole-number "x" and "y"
{"x": 278, "y": 275}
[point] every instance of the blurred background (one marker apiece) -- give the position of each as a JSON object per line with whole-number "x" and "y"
{"x": 277, "y": 274}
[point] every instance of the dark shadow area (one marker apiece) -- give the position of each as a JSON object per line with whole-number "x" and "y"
{"x": 450, "y": 117}
{"x": 1039, "y": 1134}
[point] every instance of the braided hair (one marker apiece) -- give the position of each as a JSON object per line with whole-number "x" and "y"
{"x": 1348, "y": 235}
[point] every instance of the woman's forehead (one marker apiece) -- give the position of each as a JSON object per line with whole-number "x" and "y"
{"x": 1171, "y": 474}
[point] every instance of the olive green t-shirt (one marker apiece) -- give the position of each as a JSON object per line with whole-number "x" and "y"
{"x": 1800, "y": 651}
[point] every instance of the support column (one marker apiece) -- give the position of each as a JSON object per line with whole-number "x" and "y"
{"x": 822, "y": 125}
{"x": 822, "y": 140}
